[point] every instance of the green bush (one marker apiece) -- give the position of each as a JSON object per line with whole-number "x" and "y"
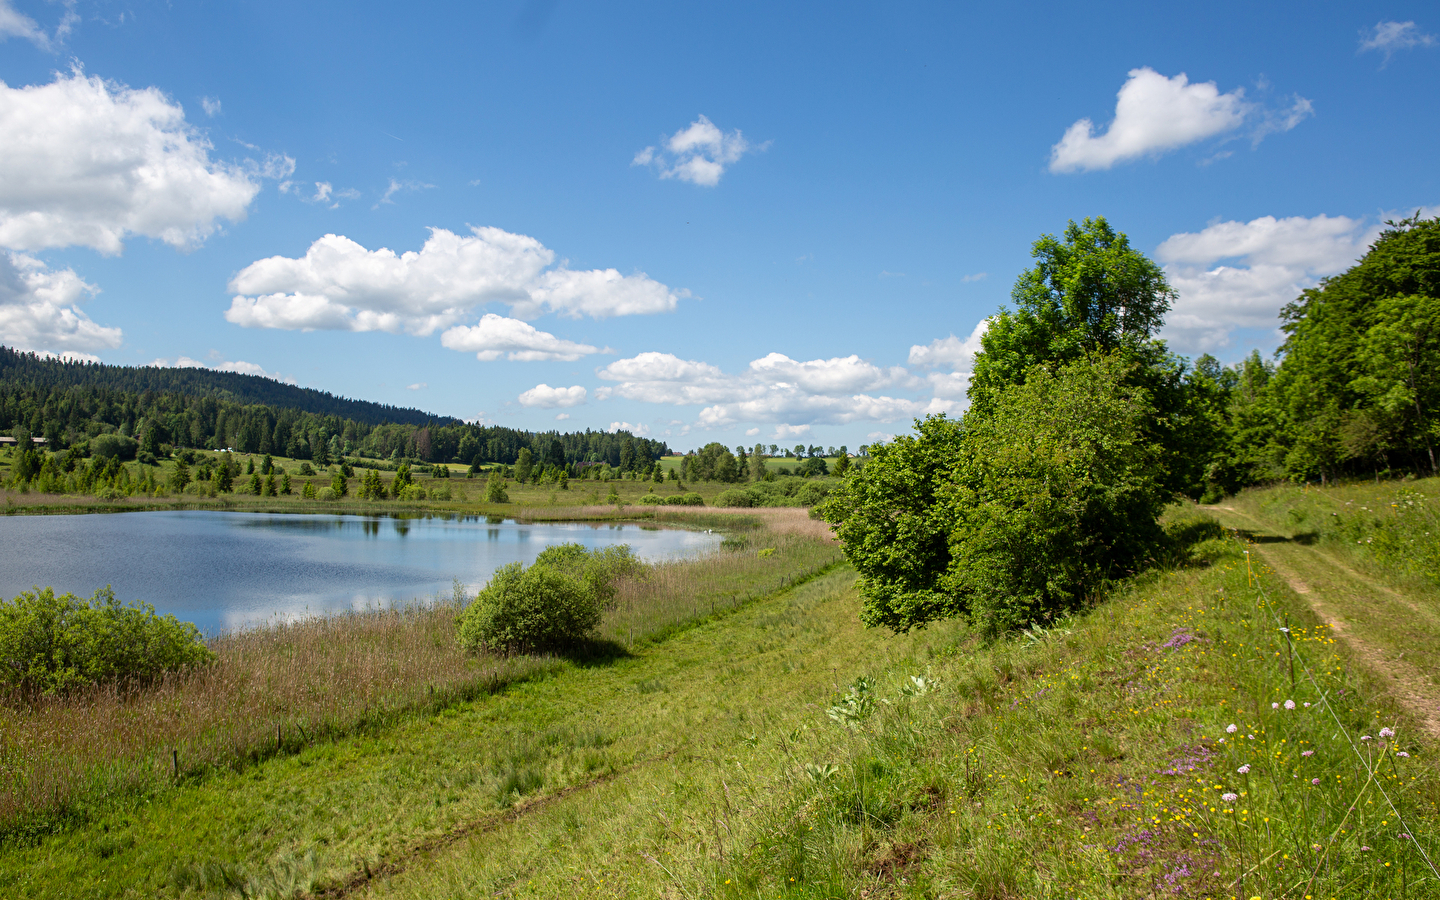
{"x": 106, "y": 446}
{"x": 735, "y": 498}
{"x": 555, "y": 603}
{"x": 523, "y": 609}
{"x": 652, "y": 500}
{"x": 50, "y": 643}
{"x": 690, "y": 499}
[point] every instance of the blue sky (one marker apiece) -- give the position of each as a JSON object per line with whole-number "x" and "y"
{"x": 775, "y": 223}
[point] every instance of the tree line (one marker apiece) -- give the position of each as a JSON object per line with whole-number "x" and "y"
{"x": 155, "y": 423}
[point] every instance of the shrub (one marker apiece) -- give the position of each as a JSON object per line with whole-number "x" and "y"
{"x": 51, "y": 644}
{"x": 328, "y": 494}
{"x": 495, "y": 489}
{"x": 106, "y": 446}
{"x": 652, "y": 500}
{"x": 812, "y": 492}
{"x": 690, "y": 499}
{"x": 735, "y": 497}
{"x": 523, "y": 609}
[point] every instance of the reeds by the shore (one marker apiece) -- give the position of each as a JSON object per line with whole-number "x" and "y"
{"x": 275, "y": 688}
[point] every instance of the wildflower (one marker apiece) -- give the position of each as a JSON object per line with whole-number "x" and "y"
{"x": 1314, "y": 781}
{"x": 1403, "y": 753}
{"x": 1231, "y": 729}
{"x": 1387, "y": 732}
{"x": 1308, "y": 753}
{"x": 1364, "y": 849}
{"x": 1274, "y": 706}
{"x": 1289, "y": 704}
{"x": 1229, "y": 797}
{"x": 1243, "y": 770}
{"x": 1404, "y": 836}
{"x": 1366, "y": 737}
{"x": 1307, "y": 704}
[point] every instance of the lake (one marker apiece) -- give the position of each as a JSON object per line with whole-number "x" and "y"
{"x": 223, "y": 570}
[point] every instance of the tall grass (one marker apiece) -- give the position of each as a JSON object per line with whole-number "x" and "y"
{"x": 276, "y": 688}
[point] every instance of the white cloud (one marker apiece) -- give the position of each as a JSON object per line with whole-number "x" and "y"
{"x": 338, "y": 284}
{"x": 518, "y": 341}
{"x": 751, "y": 432}
{"x": 14, "y": 23}
{"x": 1154, "y": 114}
{"x": 546, "y": 397}
{"x": 698, "y": 154}
{"x": 978, "y": 276}
{"x": 39, "y": 309}
{"x": 637, "y": 430}
{"x": 88, "y": 162}
{"x": 784, "y": 432}
{"x": 950, "y": 351}
{"x": 417, "y": 386}
{"x": 774, "y": 389}
{"x": 562, "y": 417}
{"x": 1239, "y": 274}
{"x": 1387, "y": 37}
{"x": 211, "y": 105}
{"x": 883, "y": 437}
{"x": 240, "y": 366}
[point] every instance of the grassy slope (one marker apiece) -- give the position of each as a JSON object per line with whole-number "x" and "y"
{"x": 1086, "y": 761}
{"x": 1360, "y": 553}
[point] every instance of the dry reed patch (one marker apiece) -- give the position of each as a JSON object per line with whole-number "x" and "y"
{"x": 778, "y": 519}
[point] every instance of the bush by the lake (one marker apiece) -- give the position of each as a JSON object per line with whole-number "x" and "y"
{"x": 50, "y": 643}
{"x": 538, "y": 608}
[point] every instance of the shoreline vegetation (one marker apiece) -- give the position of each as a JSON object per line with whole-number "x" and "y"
{"x": 276, "y": 688}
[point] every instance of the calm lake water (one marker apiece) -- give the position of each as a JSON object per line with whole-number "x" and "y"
{"x": 222, "y": 570}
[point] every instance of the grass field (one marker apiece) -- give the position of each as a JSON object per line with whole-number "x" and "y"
{"x": 466, "y": 495}
{"x": 781, "y": 750}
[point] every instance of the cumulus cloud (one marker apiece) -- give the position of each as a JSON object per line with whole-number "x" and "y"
{"x": 1239, "y": 274}
{"x": 949, "y": 351}
{"x": 340, "y": 285}
{"x": 1154, "y": 114}
{"x": 544, "y": 396}
{"x": 774, "y": 388}
{"x": 698, "y": 154}
{"x": 518, "y": 341}
{"x": 637, "y": 430}
{"x": 240, "y": 366}
{"x": 88, "y": 162}
{"x": 1388, "y": 37}
{"x": 39, "y": 309}
{"x": 211, "y": 105}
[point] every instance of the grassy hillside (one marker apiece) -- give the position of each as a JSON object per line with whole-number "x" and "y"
{"x": 781, "y": 750}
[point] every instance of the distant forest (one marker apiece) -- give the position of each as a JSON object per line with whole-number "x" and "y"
{"x": 69, "y": 404}
{"x": 33, "y": 370}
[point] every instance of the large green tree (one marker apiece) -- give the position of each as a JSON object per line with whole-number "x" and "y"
{"x": 1089, "y": 292}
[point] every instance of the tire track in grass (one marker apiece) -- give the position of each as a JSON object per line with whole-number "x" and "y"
{"x": 1407, "y": 683}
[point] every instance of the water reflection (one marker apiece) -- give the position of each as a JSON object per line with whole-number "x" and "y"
{"x": 225, "y": 569}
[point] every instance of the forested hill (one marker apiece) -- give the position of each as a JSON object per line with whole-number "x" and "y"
{"x": 31, "y": 370}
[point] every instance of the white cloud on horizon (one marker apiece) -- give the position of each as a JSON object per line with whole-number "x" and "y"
{"x": 1154, "y": 114}
{"x": 698, "y": 154}
{"x": 340, "y": 285}
{"x": 773, "y": 389}
{"x": 518, "y": 341}
{"x": 87, "y": 162}
{"x": 240, "y": 366}
{"x": 543, "y": 396}
{"x": 39, "y": 310}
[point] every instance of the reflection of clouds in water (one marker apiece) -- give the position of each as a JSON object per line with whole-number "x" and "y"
{"x": 298, "y": 608}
